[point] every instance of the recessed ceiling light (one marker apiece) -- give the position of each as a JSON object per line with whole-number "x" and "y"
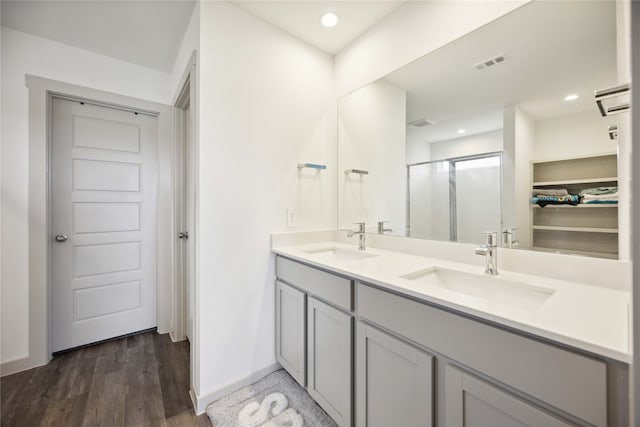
{"x": 462, "y": 131}
{"x": 329, "y": 19}
{"x": 571, "y": 97}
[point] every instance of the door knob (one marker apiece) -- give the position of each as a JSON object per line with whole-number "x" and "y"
{"x": 184, "y": 235}
{"x": 61, "y": 238}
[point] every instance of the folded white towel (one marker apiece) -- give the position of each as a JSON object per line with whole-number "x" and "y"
{"x": 612, "y": 196}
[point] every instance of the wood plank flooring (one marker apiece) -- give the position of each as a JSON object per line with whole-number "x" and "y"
{"x": 140, "y": 380}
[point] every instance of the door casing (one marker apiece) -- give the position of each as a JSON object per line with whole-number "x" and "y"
{"x": 183, "y": 303}
{"x": 187, "y": 93}
{"x": 40, "y": 92}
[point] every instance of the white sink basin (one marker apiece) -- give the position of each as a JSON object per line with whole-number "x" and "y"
{"x": 340, "y": 254}
{"x": 492, "y": 289}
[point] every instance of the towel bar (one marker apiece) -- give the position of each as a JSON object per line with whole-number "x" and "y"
{"x": 311, "y": 166}
{"x": 358, "y": 171}
{"x": 612, "y": 92}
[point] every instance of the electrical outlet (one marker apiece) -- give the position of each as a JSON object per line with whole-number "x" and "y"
{"x": 292, "y": 217}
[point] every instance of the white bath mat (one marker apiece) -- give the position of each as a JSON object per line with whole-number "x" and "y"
{"x": 275, "y": 401}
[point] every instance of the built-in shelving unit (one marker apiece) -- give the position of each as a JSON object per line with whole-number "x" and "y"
{"x": 585, "y": 229}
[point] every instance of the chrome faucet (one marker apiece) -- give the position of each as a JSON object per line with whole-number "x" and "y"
{"x": 508, "y": 240}
{"x": 490, "y": 250}
{"x": 360, "y": 233}
{"x": 381, "y": 228}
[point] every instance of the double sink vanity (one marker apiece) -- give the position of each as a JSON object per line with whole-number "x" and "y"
{"x": 414, "y": 328}
{"x": 383, "y": 337}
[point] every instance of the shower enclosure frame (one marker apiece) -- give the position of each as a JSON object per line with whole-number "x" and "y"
{"x": 453, "y": 211}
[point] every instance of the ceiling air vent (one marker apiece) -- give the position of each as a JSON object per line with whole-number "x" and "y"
{"x": 490, "y": 62}
{"x": 421, "y": 123}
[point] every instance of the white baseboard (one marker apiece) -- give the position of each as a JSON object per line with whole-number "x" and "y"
{"x": 200, "y": 403}
{"x": 174, "y": 339}
{"x": 19, "y": 365}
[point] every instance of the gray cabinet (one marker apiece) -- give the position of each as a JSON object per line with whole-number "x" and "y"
{"x": 329, "y": 350}
{"x": 291, "y": 331}
{"x": 571, "y": 382}
{"x": 394, "y": 381}
{"x": 524, "y": 381}
{"x": 470, "y": 402}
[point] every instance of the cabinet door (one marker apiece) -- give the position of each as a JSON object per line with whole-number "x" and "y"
{"x": 291, "y": 331}
{"x": 329, "y": 359}
{"x": 394, "y": 381}
{"x": 470, "y": 402}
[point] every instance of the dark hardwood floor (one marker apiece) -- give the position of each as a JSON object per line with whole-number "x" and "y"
{"x": 140, "y": 380}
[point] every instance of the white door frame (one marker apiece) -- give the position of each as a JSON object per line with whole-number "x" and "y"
{"x": 187, "y": 90}
{"x": 183, "y": 146}
{"x": 40, "y": 92}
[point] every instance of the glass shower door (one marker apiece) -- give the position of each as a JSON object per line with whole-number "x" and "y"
{"x": 478, "y": 198}
{"x": 455, "y": 199}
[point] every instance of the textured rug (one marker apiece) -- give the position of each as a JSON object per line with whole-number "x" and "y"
{"x": 277, "y": 400}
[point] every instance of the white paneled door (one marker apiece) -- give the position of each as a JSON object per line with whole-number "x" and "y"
{"x": 103, "y": 225}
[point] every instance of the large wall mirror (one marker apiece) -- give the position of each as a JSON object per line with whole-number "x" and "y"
{"x": 496, "y": 131}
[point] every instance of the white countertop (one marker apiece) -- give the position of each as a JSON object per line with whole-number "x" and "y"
{"x": 592, "y": 318}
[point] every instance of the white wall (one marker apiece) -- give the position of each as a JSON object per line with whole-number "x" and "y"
{"x": 411, "y": 31}
{"x": 525, "y": 144}
{"x": 417, "y": 149}
{"x": 480, "y": 143}
{"x": 421, "y": 188}
{"x": 266, "y": 104}
{"x": 633, "y": 125}
{"x": 25, "y": 54}
{"x": 371, "y": 135}
{"x": 625, "y": 151}
{"x": 574, "y": 135}
{"x": 190, "y": 43}
{"x": 1, "y": 204}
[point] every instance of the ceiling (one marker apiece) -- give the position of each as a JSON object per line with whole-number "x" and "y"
{"x": 574, "y": 51}
{"x": 302, "y": 19}
{"x": 146, "y": 33}
{"x": 149, "y": 32}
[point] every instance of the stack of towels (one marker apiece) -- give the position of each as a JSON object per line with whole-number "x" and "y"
{"x": 554, "y": 196}
{"x": 599, "y": 195}
{"x": 561, "y": 196}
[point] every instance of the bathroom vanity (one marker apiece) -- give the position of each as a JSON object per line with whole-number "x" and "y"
{"x": 463, "y": 140}
{"x": 382, "y": 338}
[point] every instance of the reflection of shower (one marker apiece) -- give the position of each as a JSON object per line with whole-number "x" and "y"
{"x": 455, "y": 199}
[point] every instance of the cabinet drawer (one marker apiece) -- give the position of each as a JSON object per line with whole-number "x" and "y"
{"x": 571, "y": 382}
{"x": 331, "y": 288}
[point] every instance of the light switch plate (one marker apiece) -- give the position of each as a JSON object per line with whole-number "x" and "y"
{"x": 292, "y": 217}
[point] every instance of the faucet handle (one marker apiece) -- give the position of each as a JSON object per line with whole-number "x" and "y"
{"x": 508, "y": 237}
{"x": 361, "y": 226}
{"x": 492, "y": 238}
{"x": 381, "y": 228}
